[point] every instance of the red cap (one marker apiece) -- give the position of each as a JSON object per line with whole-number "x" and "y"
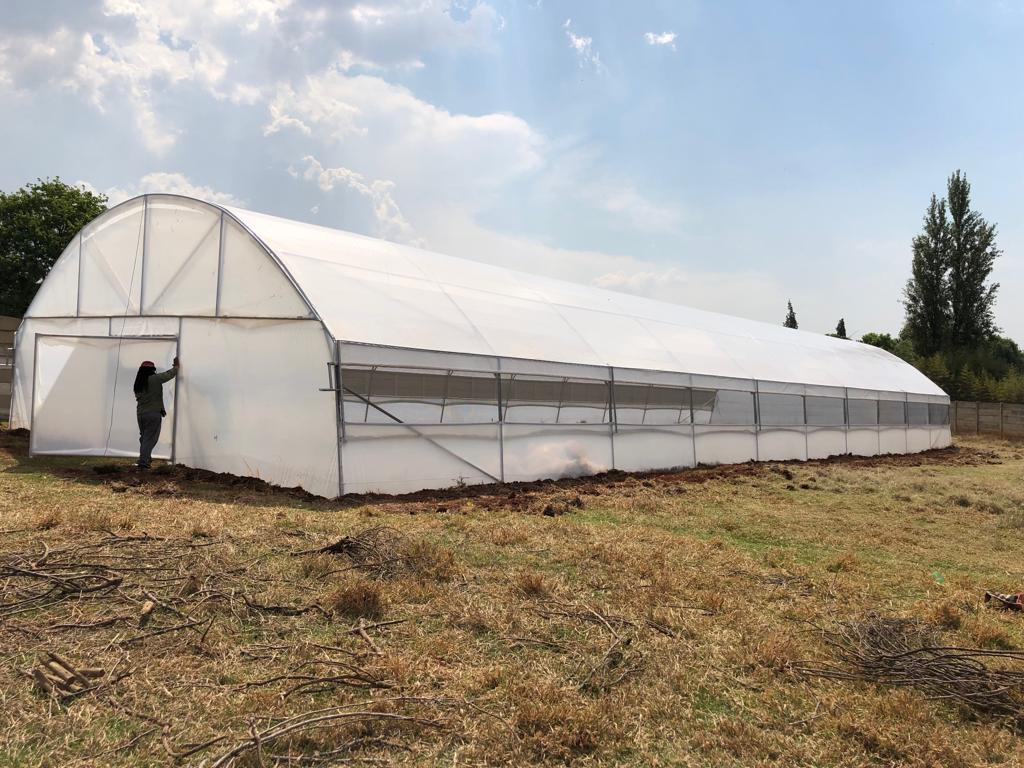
{"x": 148, "y": 364}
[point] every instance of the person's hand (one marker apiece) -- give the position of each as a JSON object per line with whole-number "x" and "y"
{"x": 175, "y": 363}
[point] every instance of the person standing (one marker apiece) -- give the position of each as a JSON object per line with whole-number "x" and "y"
{"x": 149, "y": 396}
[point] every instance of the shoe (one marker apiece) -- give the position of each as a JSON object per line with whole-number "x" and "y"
{"x": 141, "y": 467}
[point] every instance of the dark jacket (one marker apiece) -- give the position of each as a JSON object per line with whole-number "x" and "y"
{"x": 151, "y": 400}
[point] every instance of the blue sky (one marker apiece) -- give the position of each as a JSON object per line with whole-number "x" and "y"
{"x": 726, "y": 155}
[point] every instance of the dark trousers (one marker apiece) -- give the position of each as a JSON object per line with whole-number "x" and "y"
{"x": 149, "y": 435}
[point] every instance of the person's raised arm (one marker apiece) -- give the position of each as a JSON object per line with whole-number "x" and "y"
{"x": 169, "y": 374}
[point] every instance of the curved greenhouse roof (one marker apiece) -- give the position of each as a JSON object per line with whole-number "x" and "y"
{"x": 377, "y": 292}
{"x": 371, "y": 291}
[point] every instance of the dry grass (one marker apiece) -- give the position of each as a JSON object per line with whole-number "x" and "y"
{"x": 359, "y": 598}
{"x": 642, "y": 620}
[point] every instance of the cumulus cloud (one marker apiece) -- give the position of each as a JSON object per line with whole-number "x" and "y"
{"x": 583, "y": 48}
{"x": 426, "y": 150}
{"x": 132, "y": 55}
{"x": 167, "y": 183}
{"x": 391, "y": 224}
{"x": 124, "y": 63}
{"x": 394, "y": 32}
{"x": 661, "y": 39}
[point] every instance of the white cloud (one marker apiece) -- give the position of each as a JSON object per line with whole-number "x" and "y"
{"x": 397, "y": 32}
{"x": 130, "y": 55}
{"x": 168, "y": 183}
{"x": 663, "y": 38}
{"x": 582, "y": 174}
{"x": 584, "y": 48}
{"x": 391, "y": 224}
{"x": 626, "y": 202}
{"x": 26, "y": 61}
{"x": 279, "y": 120}
{"x": 429, "y": 152}
{"x": 139, "y": 54}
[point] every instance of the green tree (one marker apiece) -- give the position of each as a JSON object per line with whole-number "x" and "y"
{"x": 882, "y": 340}
{"x": 972, "y": 254}
{"x": 841, "y": 329}
{"x": 969, "y": 385}
{"x": 1011, "y": 387}
{"x": 949, "y": 300}
{"x": 901, "y": 346}
{"x": 935, "y": 368}
{"x": 790, "y": 321}
{"x": 926, "y": 296}
{"x": 36, "y": 224}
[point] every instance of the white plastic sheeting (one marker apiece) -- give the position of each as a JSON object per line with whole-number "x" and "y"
{"x": 249, "y": 402}
{"x": 144, "y": 326}
{"x": 24, "y": 357}
{"x": 110, "y": 272}
{"x": 376, "y": 292}
{"x": 541, "y": 451}
{"x": 166, "y": 255}
{"x": 823, "y": 442}
{"x": 182, "y": 246}
{"x": 82, "y": 395}
{"x": 396, "y": 458}
{"x": 725, "y": 445}
{"x": 640, "y": 448}
{"x": 782, "y": 444}
{"x": 513, "y": 376}
{"x": 251, "y": 284}
{"x": 862, "y": 442}
{"x": 58, "y": 295}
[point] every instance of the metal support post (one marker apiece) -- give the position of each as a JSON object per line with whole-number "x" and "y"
{"x": 177, "y": 378}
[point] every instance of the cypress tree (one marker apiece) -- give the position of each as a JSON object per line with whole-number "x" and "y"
{"x": 790, "y": 321}
{"x": 841, "y": 329}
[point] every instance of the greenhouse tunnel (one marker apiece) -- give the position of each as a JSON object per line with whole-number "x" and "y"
{"x": 340, "y": 363}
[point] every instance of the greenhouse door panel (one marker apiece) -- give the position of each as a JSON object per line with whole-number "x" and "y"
{"x": 82, "y": 398}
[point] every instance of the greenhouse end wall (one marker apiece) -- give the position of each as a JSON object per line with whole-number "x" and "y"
{"x": 250, "y": 400}
{"x": 413, "y": 419}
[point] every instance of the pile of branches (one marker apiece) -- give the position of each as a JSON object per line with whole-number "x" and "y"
{"x": 622, "y": 659}
{"x": 576, "y": 612}
{"x": 295, "y": 734}
{"x": 148, "y": 585}
{"x": 906, "y": 652}
{"x": 46, "y": 578}
{"x": 381, "y": 551}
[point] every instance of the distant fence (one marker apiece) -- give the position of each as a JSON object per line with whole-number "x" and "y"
{"x": 1001, "y": 419}
{"x": 8, "y": 325}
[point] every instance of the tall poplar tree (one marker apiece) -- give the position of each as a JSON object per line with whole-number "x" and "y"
{"x": 972, "y": 254}
{"x": 926, "y": 296}
{"x": 949, "y": 301}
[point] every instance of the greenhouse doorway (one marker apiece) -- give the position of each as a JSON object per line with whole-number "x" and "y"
{"x": 82, "y": 398}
